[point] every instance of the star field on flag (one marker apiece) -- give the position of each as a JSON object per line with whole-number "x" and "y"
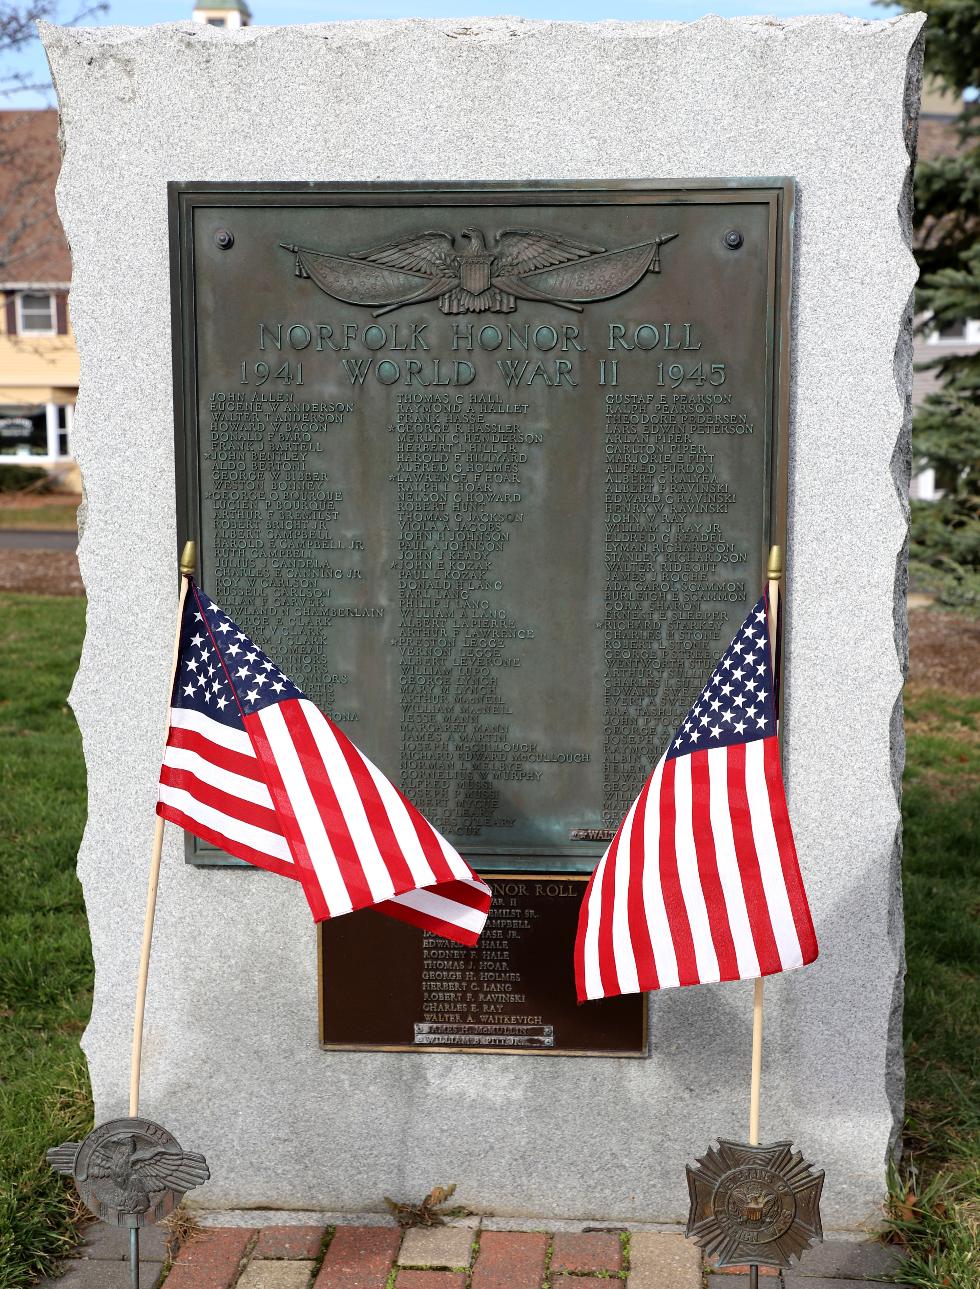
{"x": 255, "y": 768}
{"x": 701, "y": 881}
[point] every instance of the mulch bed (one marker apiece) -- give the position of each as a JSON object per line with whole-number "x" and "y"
{"x": 40, "y": 572}
{"x": 944, "y": 651}
{"x": 38, "y": 500}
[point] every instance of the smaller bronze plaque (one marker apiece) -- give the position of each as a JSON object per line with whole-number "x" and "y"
{"x": 392, "y": 987}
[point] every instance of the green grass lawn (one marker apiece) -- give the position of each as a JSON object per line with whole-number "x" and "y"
{"x": 46, "y": 969}
{"x": 936, "y": 1192}
{"x": 58, "y": 514}
{"x": 45, "y": 960}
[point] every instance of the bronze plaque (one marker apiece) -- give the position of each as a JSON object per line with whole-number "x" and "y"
{"x": 491, "y": 470}
{"x": 385, "y": 984}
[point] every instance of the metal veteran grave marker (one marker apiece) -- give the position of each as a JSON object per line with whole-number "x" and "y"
{"x": 494, "y": 468}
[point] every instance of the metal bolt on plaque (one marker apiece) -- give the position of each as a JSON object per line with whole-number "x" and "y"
{"x": 755, "y": 1205}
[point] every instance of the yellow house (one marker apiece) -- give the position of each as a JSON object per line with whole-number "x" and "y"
{"x": 38, "y": 360}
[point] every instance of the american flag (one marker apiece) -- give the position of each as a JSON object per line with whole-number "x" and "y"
{"x": 701, "y": 882}
{"x": 252, "y": 766}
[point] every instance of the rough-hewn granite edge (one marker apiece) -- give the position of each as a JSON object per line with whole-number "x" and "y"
{"x": 901, "y": 473}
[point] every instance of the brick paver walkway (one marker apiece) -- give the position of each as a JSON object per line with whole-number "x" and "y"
{"x": 448, "y": 1257}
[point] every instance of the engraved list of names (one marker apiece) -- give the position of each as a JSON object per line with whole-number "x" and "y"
{"x": 492, "y": 473}
{"x": 386, "y": 984}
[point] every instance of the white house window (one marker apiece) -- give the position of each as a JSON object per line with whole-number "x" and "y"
{"x": 63, "y": 425}
{"x": 36, "y": 313}
{"x": 23, "y": 432}
{"x": 953, "y": 330}
{"x": 217, "y": 22}
{"x": 961, "y": 331}
{"x": 36, "y": 431}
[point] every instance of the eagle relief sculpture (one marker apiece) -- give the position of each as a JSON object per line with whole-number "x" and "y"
{"x": 524, "y": 264}
{"x": 129, "y": 1171}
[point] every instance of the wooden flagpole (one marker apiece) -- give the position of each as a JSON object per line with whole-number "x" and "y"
{"x": 773, "y": 574}
{"x": 756, "y": 1085}
{"x": 188, "y": 559}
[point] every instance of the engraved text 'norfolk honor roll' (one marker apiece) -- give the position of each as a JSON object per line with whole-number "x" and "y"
{"x": 525, "y": 264}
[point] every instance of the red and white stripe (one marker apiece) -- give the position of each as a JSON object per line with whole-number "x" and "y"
{"x": 212, "y": 784}
{"x": 291, "y": 793}
{"x": 701, "y": 883}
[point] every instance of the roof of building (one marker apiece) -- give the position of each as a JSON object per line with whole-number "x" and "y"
{"x": 33, "y": 249}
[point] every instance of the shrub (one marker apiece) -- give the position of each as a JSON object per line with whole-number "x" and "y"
{"x": 15, "y": 478}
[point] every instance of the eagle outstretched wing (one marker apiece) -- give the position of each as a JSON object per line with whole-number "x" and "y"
{"x": 589, "y": 277}
{"x": 381, "y": 275}
{"x": 170, "y": 1170}
{"x": 62, "y": 1158}
{"x": 430, "y": 252}
{"x": 522, "y": 250}
{"x": 101, "y": 1161}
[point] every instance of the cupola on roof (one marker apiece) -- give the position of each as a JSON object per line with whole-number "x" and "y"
{"x": 223, "y": 6}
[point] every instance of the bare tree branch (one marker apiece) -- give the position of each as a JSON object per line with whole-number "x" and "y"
{"x": 18, "y": 28}
{"x": 18, "y": 22}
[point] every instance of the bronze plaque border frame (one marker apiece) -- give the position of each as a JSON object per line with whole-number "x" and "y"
{"x": 185, "y": 196}
{"x": 456, "y": 1049}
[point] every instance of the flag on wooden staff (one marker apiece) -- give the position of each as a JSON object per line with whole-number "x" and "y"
{"x": 701, "y": 883}
{"x": 252, "y": 766}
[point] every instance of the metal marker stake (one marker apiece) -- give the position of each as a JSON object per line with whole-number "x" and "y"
{"x": 134, "y": 1257}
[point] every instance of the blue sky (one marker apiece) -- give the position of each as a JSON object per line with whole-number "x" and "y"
{"x": 141, "y": 12}
{"x": 274, "y": 12}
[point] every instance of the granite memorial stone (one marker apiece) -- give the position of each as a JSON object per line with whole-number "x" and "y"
{"x": 231, "y": 1058}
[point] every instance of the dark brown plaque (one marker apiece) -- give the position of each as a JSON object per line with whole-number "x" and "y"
{"x": 491, "y": 470}
{"x": 387, "y": 985}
